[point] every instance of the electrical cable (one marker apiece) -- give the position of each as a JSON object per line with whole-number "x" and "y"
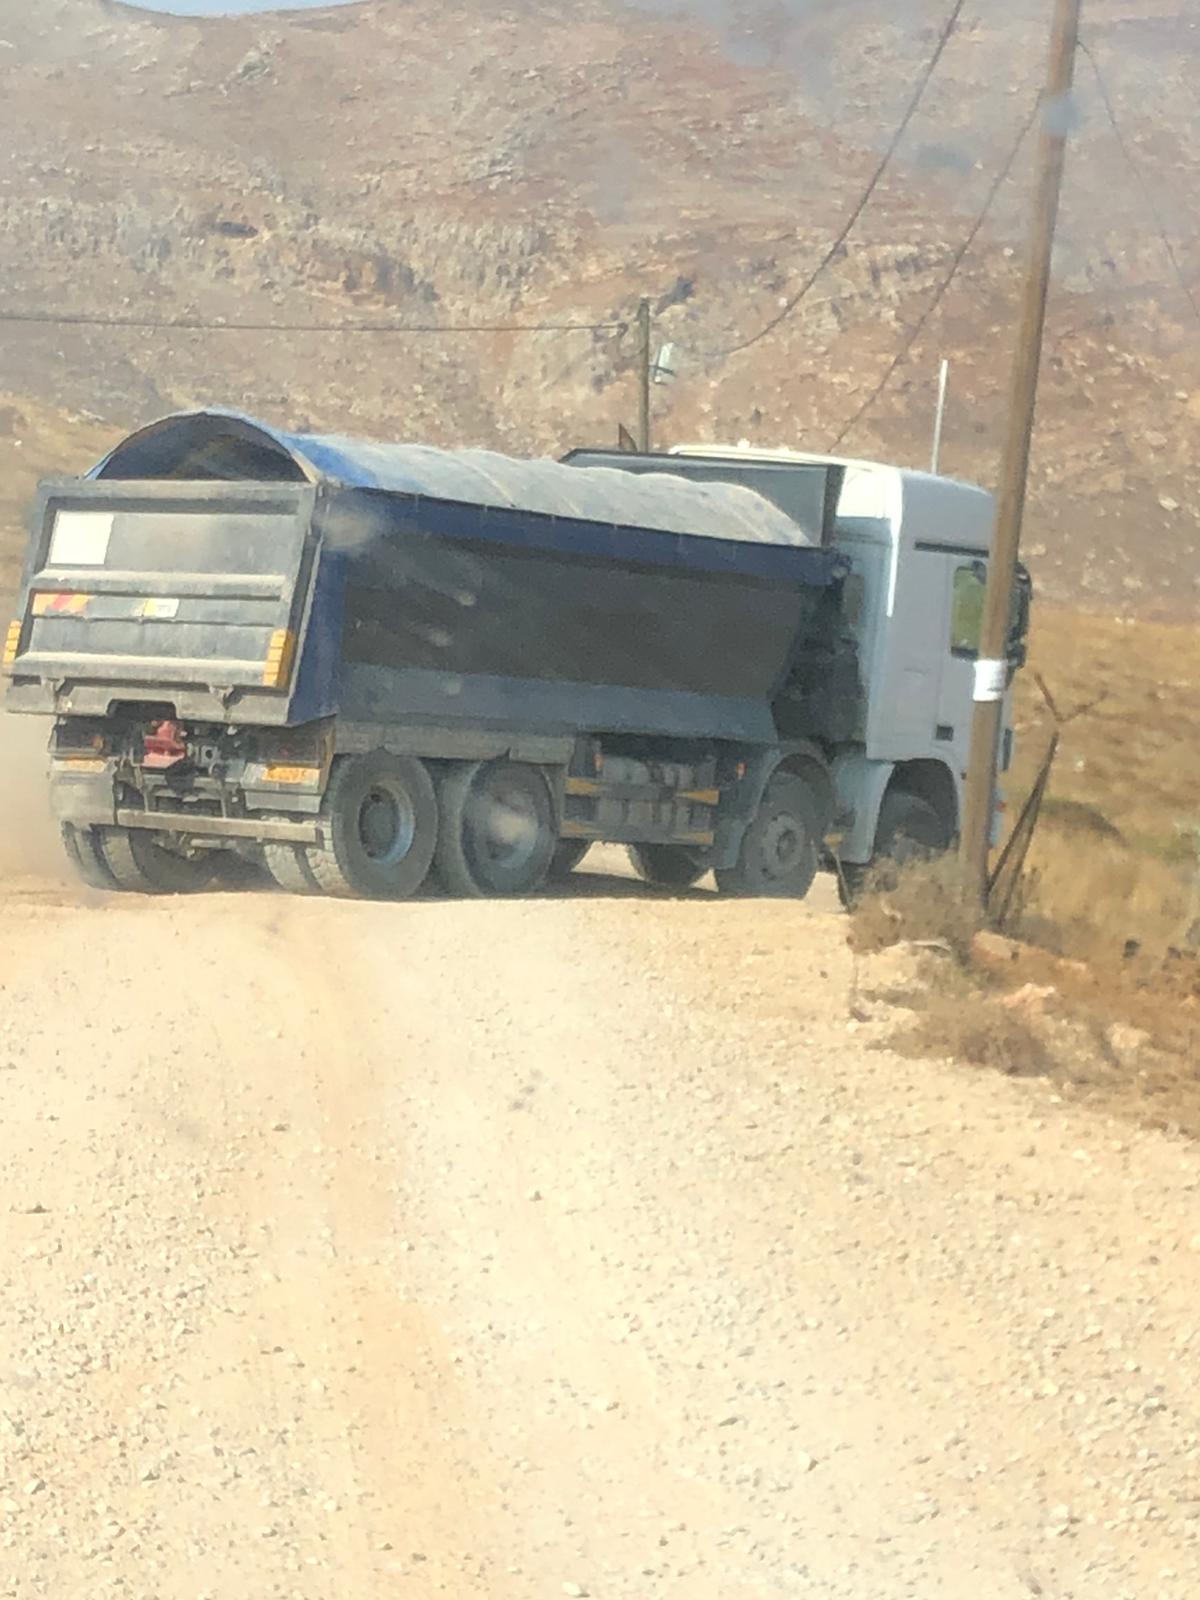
{"x": 1140, "y": 179}
{"x": 802, "y": 293}
{"x": 960, "y": 255}
{"x": 198, "y": 325}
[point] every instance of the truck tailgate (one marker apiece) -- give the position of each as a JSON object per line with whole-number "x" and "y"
{"x": 165, "y": 584}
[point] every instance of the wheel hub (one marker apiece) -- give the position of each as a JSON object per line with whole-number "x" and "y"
{"x": 782, "y": 846}
{"x": 386, "y": 825}
{"x": 506, "y": 824}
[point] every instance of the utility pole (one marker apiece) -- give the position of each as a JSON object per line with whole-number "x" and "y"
{"x": 644, "y": 376}
{"x": 991, "y": 669}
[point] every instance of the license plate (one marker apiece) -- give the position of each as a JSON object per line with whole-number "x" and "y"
{"x": 292, "y": 774}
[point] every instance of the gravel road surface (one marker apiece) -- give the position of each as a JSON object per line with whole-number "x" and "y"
{"x": 576, "y": 1247}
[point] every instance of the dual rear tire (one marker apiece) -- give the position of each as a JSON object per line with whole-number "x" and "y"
{"x": 128, "y": 859}
{"x": 381, "y": 826}
{"x": 497, "y": 834}
{"x": 484, "y": 828}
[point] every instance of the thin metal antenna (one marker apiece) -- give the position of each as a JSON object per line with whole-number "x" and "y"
{"x": 940, "y": 423}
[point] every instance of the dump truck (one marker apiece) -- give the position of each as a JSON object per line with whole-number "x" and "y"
{"x": 369, "y": 666}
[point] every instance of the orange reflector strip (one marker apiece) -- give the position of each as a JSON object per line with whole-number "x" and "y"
{"x": 278, "y": 666}
{"x": 12, "y": 643}
{"x": 60, "y": 605}
{"x": 83, "y": 763}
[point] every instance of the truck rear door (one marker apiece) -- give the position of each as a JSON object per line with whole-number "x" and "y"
{"x": 165, "y": 587}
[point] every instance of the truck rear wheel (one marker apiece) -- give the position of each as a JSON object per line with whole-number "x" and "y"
{"x": 781, "y": 850}
{"x": 140, "y": 865}
{"x": 668, "y": 866}
{"x": 497, "y": 833}
{"x": 382, "y": 821}
{"x": 288, "y": 865}
{"x": 86, "y": 857}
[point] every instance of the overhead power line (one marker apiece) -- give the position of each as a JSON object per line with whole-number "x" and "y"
{"x": 1140, "y": 178}
{"x": 960, "y": 255}
{"x": 848, "y": 227}
{"x": 61, "y": 319}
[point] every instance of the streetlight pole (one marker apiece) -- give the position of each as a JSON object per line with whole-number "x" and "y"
{"x": 991, "y": 672}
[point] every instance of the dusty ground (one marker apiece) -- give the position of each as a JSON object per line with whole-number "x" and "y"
{"x": 522, "y": 1250}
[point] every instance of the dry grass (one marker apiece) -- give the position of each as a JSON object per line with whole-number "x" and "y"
{"x": 979, "y": 1030}
{"x": 1132, "y": 764}
{"x": 1116, "y": 861}
{"x": 1113, "y": 882}
{"x": 1101, "y": 900}
{"x": 925, "y": 903}
{"x": 1114, "y": 875}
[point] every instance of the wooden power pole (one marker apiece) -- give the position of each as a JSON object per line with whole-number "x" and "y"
{"x": 644, "y": 376}
{"x": 991, "y": 671}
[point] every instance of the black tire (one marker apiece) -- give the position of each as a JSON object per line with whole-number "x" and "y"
{"x": 289, "y": 866}
{"x": 381, "y": 817}
{"x": 909, "y": 829}
{"x": 781, "y": 849}
{"x": 568, "y": 854}
{"x": 86, "y": 857}
{"x": 496, "y": 834}
{"x": 668, "y": 866}
{"x": 140, "y": 865}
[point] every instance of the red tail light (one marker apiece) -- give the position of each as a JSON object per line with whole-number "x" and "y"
{"x": 164, "y": 746}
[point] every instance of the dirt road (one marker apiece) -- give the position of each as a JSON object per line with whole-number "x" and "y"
{"x": 572, "y": 1247}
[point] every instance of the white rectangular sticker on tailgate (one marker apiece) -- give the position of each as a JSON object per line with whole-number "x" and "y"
{"x": 158, "y": 610}
{"x": 80, "y": 538}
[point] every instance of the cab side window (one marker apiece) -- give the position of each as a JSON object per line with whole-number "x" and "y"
{"x": 966, "y": 616}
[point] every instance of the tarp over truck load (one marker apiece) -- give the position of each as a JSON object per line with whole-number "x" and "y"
{"x": 244, "y": 575}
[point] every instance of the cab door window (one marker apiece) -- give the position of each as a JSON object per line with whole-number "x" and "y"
{"x": 966, "y": 612}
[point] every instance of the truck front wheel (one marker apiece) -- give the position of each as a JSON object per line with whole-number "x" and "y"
{"x": 381, "y": 820}
{"x": 781, "y": 850}
{"x": 497, "y": 833}
{"x": 140, "y": 865}
{"x": 909, "y": 830}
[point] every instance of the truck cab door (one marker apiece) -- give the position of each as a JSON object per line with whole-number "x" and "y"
{"x": 908, "y": 686}
{"x": 968, "y": 584}
{"x": 965, "y": 579}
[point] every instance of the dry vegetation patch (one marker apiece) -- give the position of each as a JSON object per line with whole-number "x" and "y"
{"x": 1121, "y": 1028}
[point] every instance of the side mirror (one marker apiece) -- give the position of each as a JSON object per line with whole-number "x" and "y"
{"x": 1022, "y": 613}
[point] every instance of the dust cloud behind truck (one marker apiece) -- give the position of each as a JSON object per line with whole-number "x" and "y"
{"x": 365, "y": 664}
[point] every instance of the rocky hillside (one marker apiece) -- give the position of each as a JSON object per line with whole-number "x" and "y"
{"x": 539, "y": 163}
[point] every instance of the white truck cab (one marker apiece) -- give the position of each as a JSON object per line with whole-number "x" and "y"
{"x": 918, "y": 548}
